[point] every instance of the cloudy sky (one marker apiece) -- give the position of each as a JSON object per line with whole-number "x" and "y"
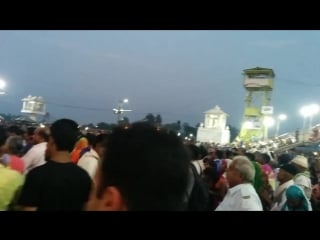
{"x": 179, "y": 74}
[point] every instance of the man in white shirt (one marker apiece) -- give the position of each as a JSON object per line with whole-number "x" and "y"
{"x": 89, "y": 161}
{"x": 36, "y": 155}
{"x": 302, "y": 178}
{"x": 285, "y": 178}
{"x": 241, "y": 195}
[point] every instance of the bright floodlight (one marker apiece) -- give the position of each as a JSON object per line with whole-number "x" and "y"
{"x": 314, "y": 109}
{"x": 248, "y": 124}
{"x": 2, "y": 84}
{"x": 125, "y": 100}
{"x": 268, "y": 121}
{"x": 282, "y": 117}
{"x": 304, "y": 111}
{"x": 310, "y": 110}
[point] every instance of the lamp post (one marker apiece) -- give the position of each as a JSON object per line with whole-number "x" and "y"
{"x": 308, "y": 112}
{"x": 304, "y": 111}
{"x": 281, "y": 117}
{"x": 2, "y": 86}
{"x": 119, "y": 111}
{"x": 267, "y": 122}
{"x": 313, "y": 110}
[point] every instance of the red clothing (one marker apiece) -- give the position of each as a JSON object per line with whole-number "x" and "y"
{"x": 16, "y": 163}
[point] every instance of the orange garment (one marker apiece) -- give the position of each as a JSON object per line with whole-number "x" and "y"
{"x": 80, "y": 145}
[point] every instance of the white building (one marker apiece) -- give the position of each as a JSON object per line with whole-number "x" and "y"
{"x": 214, "y": 129}
{"x": 33, "y": 106}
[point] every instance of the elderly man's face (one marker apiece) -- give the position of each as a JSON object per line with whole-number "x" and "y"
{"x": 233, "y": 176}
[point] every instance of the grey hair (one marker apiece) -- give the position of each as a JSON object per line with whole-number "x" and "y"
{"x": 245, "y": 168}
{"x": 14, "y": 144}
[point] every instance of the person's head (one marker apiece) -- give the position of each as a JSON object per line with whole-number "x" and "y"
{"x": 212, "y": 153}
{"x": 301, "y": 162}
{"x": 63, "y": 136}
{"x": 219, "y": 154}
{"x": 3, "y": 137}
{"x": 144, "y": 168}
{"x": 296, "y": 199}
{"x": 266, "y": 158}
{"x": 13, "y": 130}
{"x": 286, "y": 172}
{"x": 250, "y": 156}
{"x": 258, "y": 156}
{"x": 211, "y": 175}
{"x": 194, "y": 151}
{"x": 99, "y": 145}
{"x": 14, "y": 145}
{"x": 240, "y": 171}
{"x": 284, "y": 158}
{"x": 40, "y": 135}
{"x": 28, "y": 136}
{"x": 91, "y": 139}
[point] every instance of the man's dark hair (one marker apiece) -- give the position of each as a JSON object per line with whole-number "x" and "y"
{"x": 266, "y": 158}
{"x": 194, "y": 151}
{"x": 30, "y": 131}
{"x": 250, "y": 156}
{"x": 91, "y": 138}
{"x": 14, "y": 129}
{"x": 219, "y": 154}
{"x": 100, "y": 139}
{"x": 3, "y": 136}
{"x": 149, "y": 166}
{"x": 64, "y": 133}
{"x": 44, "y": 133}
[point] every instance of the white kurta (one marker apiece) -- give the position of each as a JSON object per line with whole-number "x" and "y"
{"x": 35, "y": 156}
{"x": 242, "y": 197}
{"x": 305, "y": 183}
{"x": 89, "y": 162}
{"x": 280, "y": 195}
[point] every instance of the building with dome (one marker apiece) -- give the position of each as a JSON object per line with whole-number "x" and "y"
{"x": 214, "y": 129}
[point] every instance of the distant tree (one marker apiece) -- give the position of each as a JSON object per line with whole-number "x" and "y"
{"x": 124, "y": 121}
{"x": 179, "y": 124}
{"x": 9, "y": 116}
{"x": 172, "y": 126}
{"x": 158, "y": 119}
{"x": 150, "y": 118}
{"x": 234, "y": 132}
{"x": 189, "y": 129}
{"x": 103, "y": 125}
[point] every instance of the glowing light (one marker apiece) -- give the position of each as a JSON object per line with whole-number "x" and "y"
{"x": 282, "y": 117}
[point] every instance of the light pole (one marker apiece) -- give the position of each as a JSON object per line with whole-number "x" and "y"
{"x": 119, "y": 111}
{"x": 308, "y": 112}
{"x": 2, "y": 86}
{"x": 267, "y": 122}
{"x": 313, "y": 110}
{"x": 281, "y": 117}
{"x": 304, "y": 111}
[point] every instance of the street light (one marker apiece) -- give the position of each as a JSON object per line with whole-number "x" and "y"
{"x": 119, "y": 111}
{"x": 309, "y": 111}
{"x": 281, "y": 117}
{"x": 314, "y": 109}
{"x": 267, "y": 122}
{"x": 2, "y": 86}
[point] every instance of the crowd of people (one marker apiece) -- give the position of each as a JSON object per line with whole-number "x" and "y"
{"x": 142, "y": 167}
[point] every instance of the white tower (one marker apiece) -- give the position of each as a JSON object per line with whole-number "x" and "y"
{"x": 214, "y": 129}
{"x": 33, "y": 106}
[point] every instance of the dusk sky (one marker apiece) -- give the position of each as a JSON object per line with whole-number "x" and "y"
{"x": 179, "y": 74}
